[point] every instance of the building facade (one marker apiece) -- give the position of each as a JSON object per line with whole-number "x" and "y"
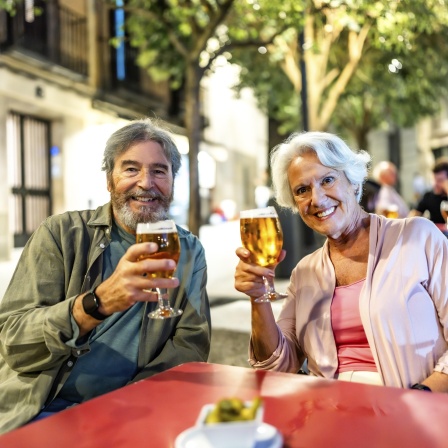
{"x": 64, "y": 89}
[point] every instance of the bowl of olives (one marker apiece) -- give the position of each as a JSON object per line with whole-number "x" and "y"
{"x": 231, "y": 422}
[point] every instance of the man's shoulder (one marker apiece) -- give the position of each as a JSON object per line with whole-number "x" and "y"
{"x": 429, "y": 195}
{"x": 71, "y": 217}
{"x": 189, "y": 239}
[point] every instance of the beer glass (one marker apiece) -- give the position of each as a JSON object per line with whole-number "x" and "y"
{"x": 262, "y": 236}
{"x": 444, "y": 208}
{"x": 164, "y": 234}
{"x": 391, "y": 211}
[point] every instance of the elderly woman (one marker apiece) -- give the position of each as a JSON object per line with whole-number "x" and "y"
{"x": 371, "y": 305}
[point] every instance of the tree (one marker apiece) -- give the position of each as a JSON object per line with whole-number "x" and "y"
{"x": 395, "y": 88}
{"x": 348, "y": 46}
{"x": 179, "y": 41}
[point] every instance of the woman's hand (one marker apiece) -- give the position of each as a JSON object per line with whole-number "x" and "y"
{"x": 248, "y": 279}
{"x": 249, "y": 276}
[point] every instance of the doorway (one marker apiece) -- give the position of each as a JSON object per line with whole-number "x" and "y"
{"x": 28, "y": 148}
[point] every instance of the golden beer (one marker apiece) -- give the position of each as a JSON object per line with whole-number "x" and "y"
{"x": 263, "y": 238}
{"x": 168, "y": 247}
{"x": 391, "y": 212}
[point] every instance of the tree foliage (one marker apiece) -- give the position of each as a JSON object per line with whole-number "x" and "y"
{"x": 179, "y": 41}
{"x": 10, "y": 6}
{"x": 348, "y": 48}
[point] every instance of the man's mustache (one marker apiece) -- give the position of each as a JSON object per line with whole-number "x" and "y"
{"x": 144, "y": 194}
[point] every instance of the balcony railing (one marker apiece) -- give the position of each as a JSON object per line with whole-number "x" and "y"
{"x": 59, "y": 35}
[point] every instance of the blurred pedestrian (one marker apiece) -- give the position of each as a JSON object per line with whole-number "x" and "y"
{"x": 389, "y": 202}
{"x": 432, "y": 200}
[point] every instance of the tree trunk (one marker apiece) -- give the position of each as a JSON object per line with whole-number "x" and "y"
{"x": 193, "y": 125}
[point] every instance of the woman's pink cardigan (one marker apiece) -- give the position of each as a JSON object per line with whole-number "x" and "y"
{"x": 403, "y": 306}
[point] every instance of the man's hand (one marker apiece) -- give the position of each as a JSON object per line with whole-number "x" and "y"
{"x": 129, "y": 283}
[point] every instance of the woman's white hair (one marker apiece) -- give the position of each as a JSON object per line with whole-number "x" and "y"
{"x": 331, "y": 151}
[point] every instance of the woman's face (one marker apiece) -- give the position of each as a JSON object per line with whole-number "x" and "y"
{"x": 324, "y": 197}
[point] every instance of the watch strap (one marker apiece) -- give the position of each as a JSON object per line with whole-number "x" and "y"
{"x": 419, "y": 386}
{"x": 91, "y": 303}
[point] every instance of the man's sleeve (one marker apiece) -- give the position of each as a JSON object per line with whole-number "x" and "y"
{"x": 34, "y": 317}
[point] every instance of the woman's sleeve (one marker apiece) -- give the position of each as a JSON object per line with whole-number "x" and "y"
{"x": 437, "y": 286}
{"x": 288, "y": 356}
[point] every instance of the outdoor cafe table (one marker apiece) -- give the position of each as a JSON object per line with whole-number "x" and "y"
{"x": 309, "y": 412}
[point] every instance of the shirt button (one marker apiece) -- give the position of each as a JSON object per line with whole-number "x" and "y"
{"x": 102, "y": 245}
{"x": 70, "y": 363}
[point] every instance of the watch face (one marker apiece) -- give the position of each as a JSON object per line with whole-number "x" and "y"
{"x": 89, "y": 303}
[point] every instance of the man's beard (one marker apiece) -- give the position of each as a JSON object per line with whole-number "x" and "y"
{"x": 130, "y": 218}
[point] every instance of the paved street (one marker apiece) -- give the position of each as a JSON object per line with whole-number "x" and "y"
{"x": 230, "y": 309}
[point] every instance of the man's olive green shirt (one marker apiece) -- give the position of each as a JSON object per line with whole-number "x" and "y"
{"x": 63, "y": 259}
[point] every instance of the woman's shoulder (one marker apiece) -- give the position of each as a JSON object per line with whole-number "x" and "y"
{"x": 416, "y": 228}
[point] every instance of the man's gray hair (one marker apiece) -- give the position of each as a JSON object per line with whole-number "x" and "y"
{"x": 331, "y": 151}
{"x": 137, "y": 131}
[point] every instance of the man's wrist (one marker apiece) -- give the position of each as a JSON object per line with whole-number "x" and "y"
{"x": 91, "y": 305}
{"x": 419, "y": 386}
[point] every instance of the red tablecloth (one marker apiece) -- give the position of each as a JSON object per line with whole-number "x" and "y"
{"x": 309, "y": 412}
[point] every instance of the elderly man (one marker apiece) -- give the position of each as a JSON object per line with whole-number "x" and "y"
{"x": 74, "y": 320}
{"x": 389, "y": 202}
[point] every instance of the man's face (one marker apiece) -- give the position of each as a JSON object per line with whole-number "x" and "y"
{"x": 440, "y": 182}
{"x": 141, "y": 185}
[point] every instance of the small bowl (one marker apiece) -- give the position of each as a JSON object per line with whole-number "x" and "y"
{"x": 238, "y": 434}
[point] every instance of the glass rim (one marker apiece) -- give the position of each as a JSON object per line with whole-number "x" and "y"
{"x": 166, "y": 225}
{"x": 263, "y": 212}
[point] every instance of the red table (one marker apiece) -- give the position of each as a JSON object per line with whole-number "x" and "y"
{"x": 309, "y": 412}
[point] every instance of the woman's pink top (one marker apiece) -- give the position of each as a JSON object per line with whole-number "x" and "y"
{"x": 351, "y": 342}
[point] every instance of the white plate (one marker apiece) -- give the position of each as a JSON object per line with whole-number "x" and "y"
{"x": 267, "y": 437}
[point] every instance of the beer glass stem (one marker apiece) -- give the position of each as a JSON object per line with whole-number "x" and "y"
{"x": 269, "y": 285}
{"x": 271, "y": 294}
{"x": 164, "y": 309}
{"x": 164, "y": 304}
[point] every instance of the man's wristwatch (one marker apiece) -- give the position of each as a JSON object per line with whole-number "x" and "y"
{"x": 419, "y": 386}
{"x": 90, "y": 304}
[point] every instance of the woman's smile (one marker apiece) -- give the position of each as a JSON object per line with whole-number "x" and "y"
{"x": 325, "y": 213}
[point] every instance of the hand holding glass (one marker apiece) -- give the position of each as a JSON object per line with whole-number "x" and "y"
{"x": 262, "y": 236}
{"x": 164, "y": 234}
